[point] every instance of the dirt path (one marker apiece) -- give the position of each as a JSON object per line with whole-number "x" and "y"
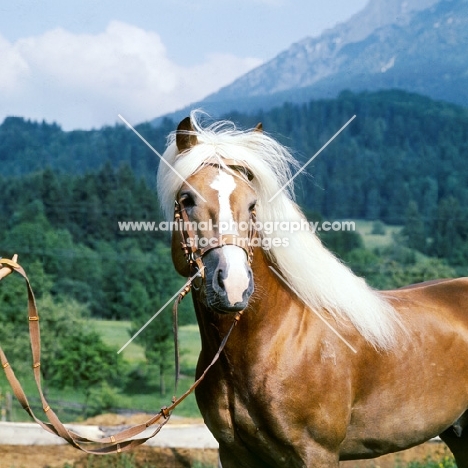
{"x": 437, "y": 450}
{"x": 13, "y": 456}
{"x": 185, "y": 443}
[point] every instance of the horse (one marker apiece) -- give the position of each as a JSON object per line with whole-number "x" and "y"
{"x": 320, "y": 367}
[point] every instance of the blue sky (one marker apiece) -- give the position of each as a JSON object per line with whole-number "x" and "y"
{"x": 82, "y": 63}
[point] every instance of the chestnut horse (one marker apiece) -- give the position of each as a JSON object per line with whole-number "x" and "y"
{"x": 320, "y": 367}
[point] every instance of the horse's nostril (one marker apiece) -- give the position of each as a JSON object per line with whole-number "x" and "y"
{"x": 220, "y": 279}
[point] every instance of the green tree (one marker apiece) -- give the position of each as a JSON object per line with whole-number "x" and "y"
{"x": 396, "y": 266}
{"x": 448, "y": 230}
{"x": 75, "y": 356}
{"x": 341, "y": 242}
{"x": 156, "y": 338}
{"x": 378, "y": 228}
{"x": 414, "y": 230}
{"x": 14, "y": 332}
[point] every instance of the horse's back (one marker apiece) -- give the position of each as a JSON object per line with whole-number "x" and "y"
{"x": 429, "y": 283}
{"x": 444, "y": 294}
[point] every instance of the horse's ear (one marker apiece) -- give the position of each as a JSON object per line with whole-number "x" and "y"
{"x": 178, "y": 257}
{"x": 259, "y": 127}
{"x": 184, "y": 138}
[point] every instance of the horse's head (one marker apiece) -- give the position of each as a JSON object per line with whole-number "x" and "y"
{"x": 215, "y": 207}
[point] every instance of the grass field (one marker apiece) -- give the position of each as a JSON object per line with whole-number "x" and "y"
{"x": 140, "y": 395}
{"x": 372, "y": 241}
{"x": 145, "y": 395}
{"x": 116, "y": 334}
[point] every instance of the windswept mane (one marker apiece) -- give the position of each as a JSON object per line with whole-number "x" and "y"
{"x": 313, "y": 271}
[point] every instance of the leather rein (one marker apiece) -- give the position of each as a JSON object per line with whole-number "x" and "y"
{"x": 126, "y": 439}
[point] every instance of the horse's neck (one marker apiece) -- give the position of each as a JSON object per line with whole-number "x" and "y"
{"x": 268, "y": 308}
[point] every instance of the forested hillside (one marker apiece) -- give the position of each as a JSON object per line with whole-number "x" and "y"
{"x": 27, "y": 147}
{"x": 401, "y": 150}
{"x": 400, "y": 147}
{"x": 69, "y": 223}
{"x": 404, "y": 155}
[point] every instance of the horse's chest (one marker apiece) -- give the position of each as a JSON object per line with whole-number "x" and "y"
{"x": 259, "y": 436}
{"x": 244, "y": 423}
{"x": 228, "y": 414}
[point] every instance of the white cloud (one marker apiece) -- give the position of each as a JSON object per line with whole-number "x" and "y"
{"x": 13, "y": 68}
{"x": 84, "y": 81}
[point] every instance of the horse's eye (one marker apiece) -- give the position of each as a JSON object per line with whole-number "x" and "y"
{"x": 252, "y": 206}
{"x": 187, "y": 201}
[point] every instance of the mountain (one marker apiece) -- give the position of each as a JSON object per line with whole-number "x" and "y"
{"x": 313, "y": 59}
{"x": 416, "y": 45}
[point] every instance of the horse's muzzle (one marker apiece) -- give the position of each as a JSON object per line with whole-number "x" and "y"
{"x": 228, "y": 279}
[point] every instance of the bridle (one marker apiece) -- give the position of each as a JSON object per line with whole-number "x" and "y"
{"x": 193, "y": 253}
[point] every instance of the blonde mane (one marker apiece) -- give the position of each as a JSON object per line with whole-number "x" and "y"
{"x": 313, "y": 271}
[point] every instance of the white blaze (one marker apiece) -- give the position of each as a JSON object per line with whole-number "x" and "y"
{"x": 225, "y": 184}
{"x": 237, "y": 279}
